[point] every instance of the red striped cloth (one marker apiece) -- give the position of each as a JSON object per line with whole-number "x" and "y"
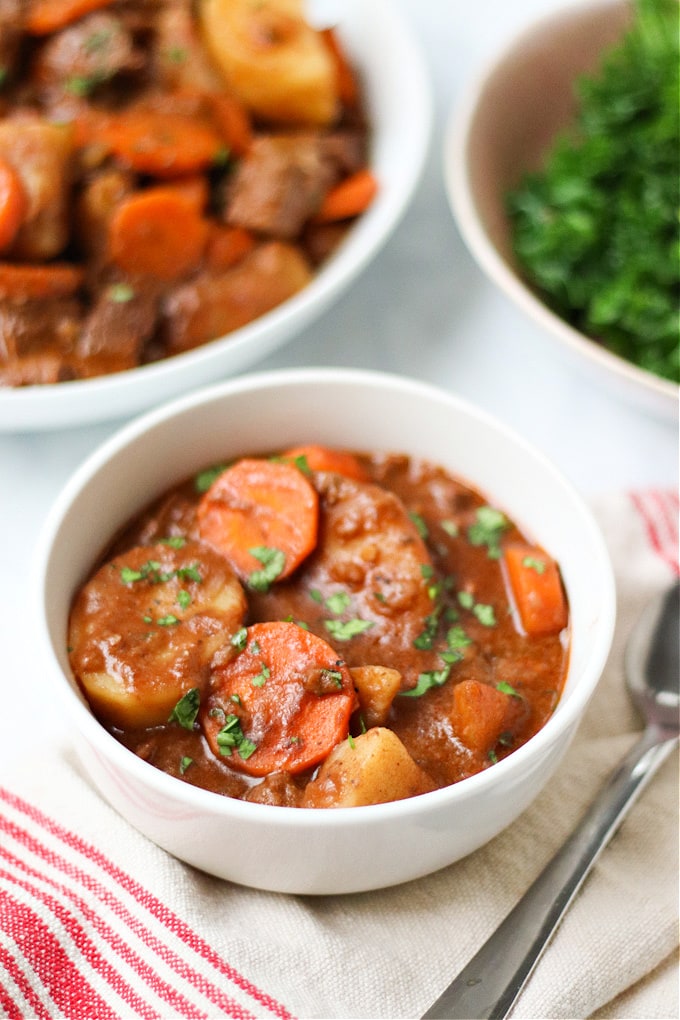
{"x": 97, "y": 923}
{"x": 83, "y": 938}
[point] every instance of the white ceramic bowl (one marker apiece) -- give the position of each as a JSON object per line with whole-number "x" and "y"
{"x": 342, "y": 850}
{"x": 399, "y": 110}
{"x": 502, "y": 127}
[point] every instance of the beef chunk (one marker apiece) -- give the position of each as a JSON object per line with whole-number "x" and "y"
{"x": 279, "y": 184}
{"x": 115, "y": 331}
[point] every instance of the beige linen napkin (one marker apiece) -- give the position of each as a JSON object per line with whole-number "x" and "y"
{"x": 97, "y": 922}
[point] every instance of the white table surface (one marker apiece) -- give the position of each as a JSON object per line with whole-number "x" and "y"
{"x": 423, "y": 309}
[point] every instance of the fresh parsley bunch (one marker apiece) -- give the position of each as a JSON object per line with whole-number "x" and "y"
{"x": 596, "y": 231}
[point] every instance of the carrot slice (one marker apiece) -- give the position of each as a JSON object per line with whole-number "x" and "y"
{"x": 159, "y": 144}
{"x": 47, "y": 16}
{"x": 228, "y": 245}
{"x": 281, "y": 704}
{"x": 22, "y": 282}
{"x": 481, "y": 713}
{"x": 195, "y": 189}
{"x": 350, "y": 197}
{"x": 536, "y": 587}
{"x": 348, "y": 87}
{"x": 157, "y": 233}
{"x": 323, "y": 458}
{"x": 263, "y": 516}
{"x": 13, "y": 203}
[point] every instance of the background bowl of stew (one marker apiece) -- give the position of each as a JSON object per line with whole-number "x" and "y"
{"x": 397, "y": 99}
{"x": 503, "y": 127}
{"x": 305, "y": 850}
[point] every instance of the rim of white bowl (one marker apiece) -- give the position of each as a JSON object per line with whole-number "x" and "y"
{"x": 68, "y": 404}
{"x": 564, "y": 717}
{"x": 659, "y": 396}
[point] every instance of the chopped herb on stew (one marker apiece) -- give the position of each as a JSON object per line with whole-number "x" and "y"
{"x": 273, "y": 562}
{"x": 185, "y": 711}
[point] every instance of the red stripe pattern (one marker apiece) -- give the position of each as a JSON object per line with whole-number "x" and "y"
{"x": 659, "y": 510}
{"x": 81, "y": 938}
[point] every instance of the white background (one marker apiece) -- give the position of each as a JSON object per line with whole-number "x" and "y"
{"x": 423, "y": 309}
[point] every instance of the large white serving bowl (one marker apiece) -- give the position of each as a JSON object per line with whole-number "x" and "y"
{"x": 343, "y": 850}
{"x": 399, "y": 110}
{"x": 501, "y": 127}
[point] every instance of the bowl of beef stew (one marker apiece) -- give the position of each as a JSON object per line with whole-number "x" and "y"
{"x": 185, "y": 186}
{"x": 332, "y": 633}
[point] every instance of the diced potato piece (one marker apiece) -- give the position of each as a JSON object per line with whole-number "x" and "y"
{"x": 376, "y": 687}
{"x": 272, "y": 58}
{"x": 213, "y": 305}
{"x": 373, "y": 768}
{"x": 40, "y": 152}
{"x": 480, "y": 714}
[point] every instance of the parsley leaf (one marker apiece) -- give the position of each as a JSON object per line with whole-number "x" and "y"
{"x": 344, "y": 630}
{"x": 273, "y": 562}
{"x": 186, "y": 709}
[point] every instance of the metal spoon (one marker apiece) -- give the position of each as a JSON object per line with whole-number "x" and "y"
{"x": 490, "y": 983}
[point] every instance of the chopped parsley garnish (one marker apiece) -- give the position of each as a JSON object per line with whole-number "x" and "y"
{"x": 204, "y": 479}
{"x": 426, "y": 681}
{"x": 174, "y": 541}
{"x": 120, "y": 293}
{"x": 507, "y": 688}
{"x": 451, "y": 528}
{"x": 533, "y": 563}
{"x": 262, "y": 677}
{"x": 183, "y": 599}
{"x": 186, "y": 709}
{"x": 420, "y": 524}
{"x": 273, "y": 562}
{"x": 231, "y": 737}
{"x": 345, "y": 630}
{"x": 184, "y": 764}
{"x": 485, "y": 614}
{"x": 240, "y": 639}
{"x": 169, "y": 620}
{"x": 338, "y": 602}
{"x": 487, "y": 528}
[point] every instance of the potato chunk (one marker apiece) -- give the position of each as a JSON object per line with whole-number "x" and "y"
{"x": 41, "y": 154}
{"x": 377, "y": 686}
{"x": 373, "y": 768}
{"x": 275, "y": 62}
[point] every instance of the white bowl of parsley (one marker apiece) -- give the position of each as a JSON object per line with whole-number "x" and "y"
{"x": 562, "y": 167}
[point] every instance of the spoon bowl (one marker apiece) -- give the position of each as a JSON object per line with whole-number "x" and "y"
{"x": 651, "y": 661}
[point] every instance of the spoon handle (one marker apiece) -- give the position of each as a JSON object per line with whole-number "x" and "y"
{"x": 488, "y": 986}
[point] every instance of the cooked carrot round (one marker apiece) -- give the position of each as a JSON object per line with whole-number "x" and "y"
{"x": 23, "y": 281}
{"x": 13, "y": 203}
{"x": 537, "y": 589}
{"x": 263, "y": 516}
{"x": 281, "y": 704}
{"x": 159, "y": 144}
{"x": 324, "y": 458}
{"x": 158, "y": 233}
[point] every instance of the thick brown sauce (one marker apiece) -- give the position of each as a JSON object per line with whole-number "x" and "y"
{"x": 444, "y": 508}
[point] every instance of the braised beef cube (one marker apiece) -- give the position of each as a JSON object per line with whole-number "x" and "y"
{"x": 11, "y": 16}
{"x": 279, "y": 184}
{"x": 36, "y": 327}
{"x": 345, "y": 151}
{"x": 86, "y": 54}
{"x": 35, "y": 370}
{"x": 115, "y": 331}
